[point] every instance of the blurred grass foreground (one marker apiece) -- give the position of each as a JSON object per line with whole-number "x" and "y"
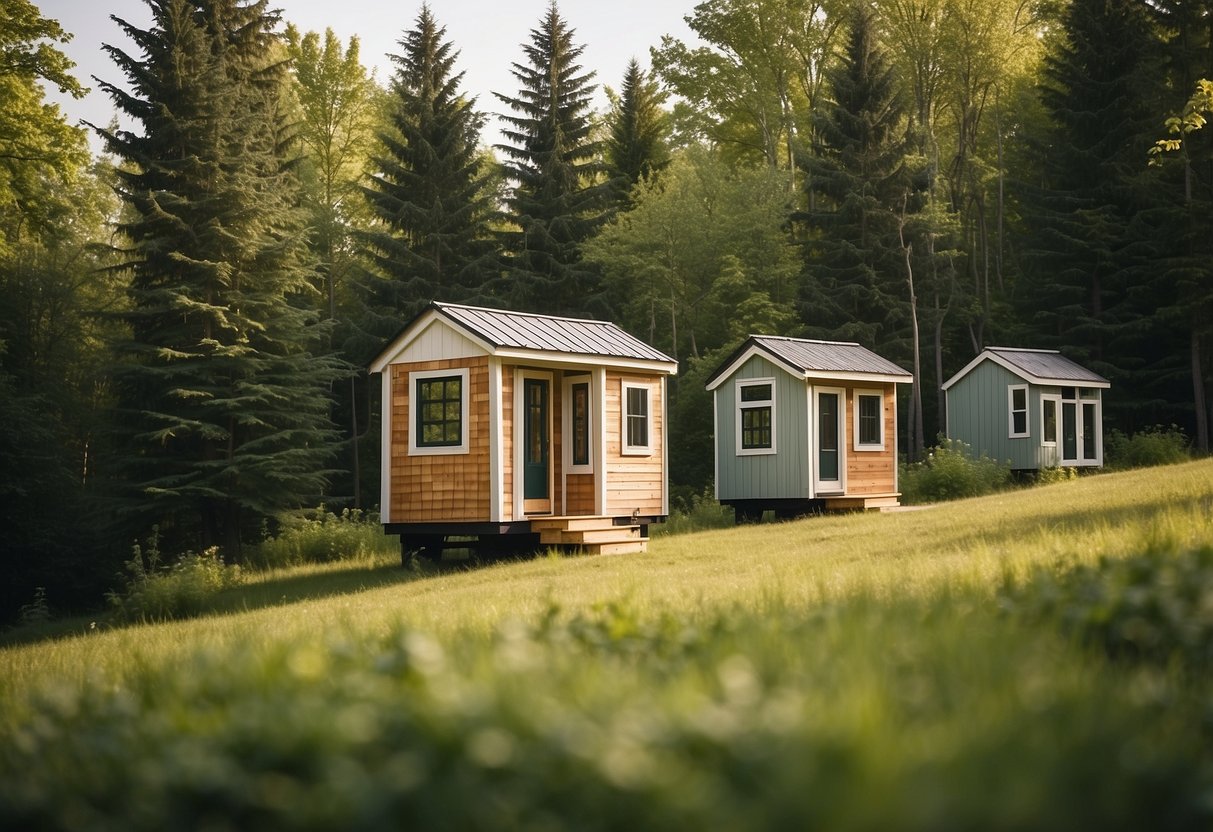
{"x": 1033, "y": 659}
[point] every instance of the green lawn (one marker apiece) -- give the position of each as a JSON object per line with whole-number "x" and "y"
{"x": 942, "y": 667}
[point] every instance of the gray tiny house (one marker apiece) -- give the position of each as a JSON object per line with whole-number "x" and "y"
{"x": 805, "y": 425}
{"x": 1035, "y": 408}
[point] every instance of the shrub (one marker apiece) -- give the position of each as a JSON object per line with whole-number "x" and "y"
{"x": 696, "y": 513}
{"x": 949, "y": 473}
{"x": 178, "y": 591}
{"x": 1156, "y": 607}
{"x": 324, "y": 538}
{"x": 1155, "y": 445}
{"x": 1048, "y": 476}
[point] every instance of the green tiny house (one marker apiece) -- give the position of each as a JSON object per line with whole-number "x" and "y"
{"x": 804, "y": 425}
{"x": 1034, "y": 408}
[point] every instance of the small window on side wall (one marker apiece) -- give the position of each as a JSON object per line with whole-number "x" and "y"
{"x": 579, "y": 394}
{"x": 1017, "y": 401}
{"x": 869, "y": 420}
{"x": 755, "y": 416}
{"x": 439, "y": 403}
{"x": 637, "y": 428}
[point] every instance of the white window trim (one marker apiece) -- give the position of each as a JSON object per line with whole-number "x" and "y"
{"x": 1056, "y": 399}
{"x": 1027, "y": 422}
{"x": 874, "y": 446}
{"x": 588, "y": 467}
{"x": 624, "y": 448}
{"x": 465, "y": 421}
{"x": 753, "y": 382}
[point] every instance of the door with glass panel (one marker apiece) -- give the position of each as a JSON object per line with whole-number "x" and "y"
{"x": 536, "y": 444}
{"x": 828, "y": 445}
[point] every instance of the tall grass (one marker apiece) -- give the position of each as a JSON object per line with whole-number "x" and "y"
{"x": 918, "y": 670}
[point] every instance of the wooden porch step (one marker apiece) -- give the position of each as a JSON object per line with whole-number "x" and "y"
{"x": 577, "y": 522}
{"x": 623, "y": 548}
{"x": 862, "y": 502}
{"x": 617, "y": 534}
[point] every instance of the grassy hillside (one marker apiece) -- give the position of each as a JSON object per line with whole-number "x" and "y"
{"x": 1035, "y": 658}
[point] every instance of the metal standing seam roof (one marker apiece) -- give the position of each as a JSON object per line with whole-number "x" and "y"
{"x": 828, "y": 356}
{"x": 1046, "y": 364}
{"x": 523, "y": 330}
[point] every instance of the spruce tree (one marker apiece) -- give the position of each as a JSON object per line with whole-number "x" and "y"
{"x": 636, "y": 145}
{"x": 559, "y": 195}
{"x": 1084, "y": 242}
{"x": 430, "y": 190}
{"x": 857, "y": 187}
{"x": 224, "y": 405}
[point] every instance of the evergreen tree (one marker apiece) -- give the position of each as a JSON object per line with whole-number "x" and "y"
{"x": 559, "y": 197}
{"x": 1084, "y": 244}
{"x": 857, "y": 188}
{"x": 224, "y": 405}
{"x": 431, "y": 189}
{"x": 1182, "y": 277}
{"x": 636, "y": 147}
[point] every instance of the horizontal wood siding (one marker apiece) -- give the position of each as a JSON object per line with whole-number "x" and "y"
{"x": 581, "y": 494}
{"x": 872, "y": 472}
{"x": 784, "y": 474}
{"x": 441, "y": 487}
{"x": 634, "y": 483}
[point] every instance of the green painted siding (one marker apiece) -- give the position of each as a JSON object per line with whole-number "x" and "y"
{"x": 783, "y": 474}
{"x": 979, "y": 416}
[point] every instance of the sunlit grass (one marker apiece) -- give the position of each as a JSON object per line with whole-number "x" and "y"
{"x": 862, "y": 671}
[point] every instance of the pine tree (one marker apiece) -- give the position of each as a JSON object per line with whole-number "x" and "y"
{"x": 857, "y": 185}
{"x": 224, "y": 405}
{"x": 559, "y": 196}
{"x": 636, "y": 147}
{"x": 430, "y": 192}
{"x": 1084, "y": 244}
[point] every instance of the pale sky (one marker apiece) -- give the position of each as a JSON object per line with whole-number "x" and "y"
{"x": 488, "y": 35}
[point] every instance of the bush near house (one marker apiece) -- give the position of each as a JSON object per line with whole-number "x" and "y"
{"x": 1156, "y": 445}
{"x": 948, "y": 473}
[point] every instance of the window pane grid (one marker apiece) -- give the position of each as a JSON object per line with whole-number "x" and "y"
{"x": 440, "y": 412}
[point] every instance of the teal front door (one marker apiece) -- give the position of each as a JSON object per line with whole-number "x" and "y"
{"x": 536, "y": 459}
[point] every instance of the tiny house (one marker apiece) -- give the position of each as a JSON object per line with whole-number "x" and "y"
{"x": 1035, "y": 408}
{"x": 803, "y": 426}
{"x": 518, "y": 430}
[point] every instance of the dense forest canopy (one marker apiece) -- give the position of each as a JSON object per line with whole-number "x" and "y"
{"x": 185, "y": 321}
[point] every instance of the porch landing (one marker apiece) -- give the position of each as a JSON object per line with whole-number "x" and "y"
{"x": 863, "y": 502}
{"x": 593, "y": 535}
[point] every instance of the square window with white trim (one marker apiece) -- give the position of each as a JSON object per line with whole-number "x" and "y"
{"x": 439, "y": 404}
{"x": 869, "y": 420}
{"x": 636, "y": 432}
{"x": 1017, "y": 403}
{"x": 755, "y": 416}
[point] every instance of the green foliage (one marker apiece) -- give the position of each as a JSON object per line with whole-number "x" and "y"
{"x": 326, "y": 537}
{"x": 637, "y": 146}
{"x": 694, "y": 511}
{"x": 950, "y": 473}
{"x": 1050, "y": 476}
{"x": 1155, "y": 445}
{"x": 224, "y": 381}
{"x": 553, "y": 158}
{"x": 429, "y": 187}
{"x": 611, "y": 718}
{"x": 1152, "y": 608}
{"x": 183, "y": 589}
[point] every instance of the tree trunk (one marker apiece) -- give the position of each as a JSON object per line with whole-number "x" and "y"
{"x": 1198, "y": 392}
{"x": 916, "y": 438}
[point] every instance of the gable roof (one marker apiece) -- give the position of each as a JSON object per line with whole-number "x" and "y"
{"x": 526, "y": 335}
{"x": 833, "y": 360}
{"x": 1048, "y": 367}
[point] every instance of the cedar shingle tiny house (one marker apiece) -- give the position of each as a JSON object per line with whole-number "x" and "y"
{"x": 803, "y": 425}
{"x": 1036, "y": 408}
{"x": 521, "y": 429}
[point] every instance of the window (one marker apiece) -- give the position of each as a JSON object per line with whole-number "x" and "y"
{"x": 869, "y": 420}
{"x": 439, "y": 402}
{"x": 580, "y": 401}
{"x": 755, "y": 416}
{"x": 637, "y": 426}
{"x": 1017, "y": 396}
{"x": 1048, "y": 420}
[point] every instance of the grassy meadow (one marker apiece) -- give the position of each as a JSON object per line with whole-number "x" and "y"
{"x": 1038, "y": 658}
